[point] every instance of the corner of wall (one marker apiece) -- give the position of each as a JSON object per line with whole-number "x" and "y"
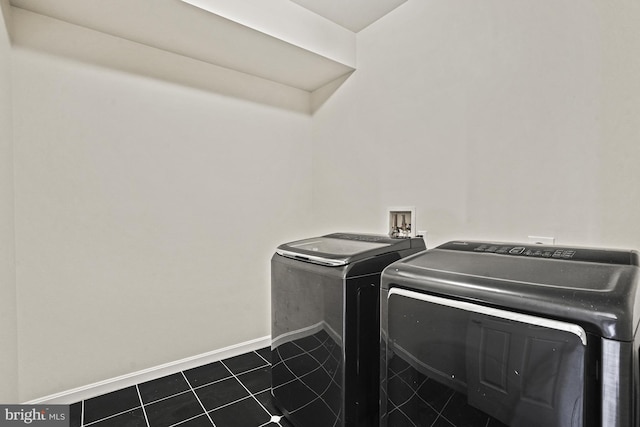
{"x": 8, "y": 305}
{"x": 321, "y": 95}
{"x": 5, "y": 9}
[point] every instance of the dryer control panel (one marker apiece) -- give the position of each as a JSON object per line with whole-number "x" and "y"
{"x": 547, "y": 252}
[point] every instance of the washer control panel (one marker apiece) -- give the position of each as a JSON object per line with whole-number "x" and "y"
{"x": 546, "y": 252}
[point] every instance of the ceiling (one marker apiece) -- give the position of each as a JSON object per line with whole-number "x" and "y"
{"x": 354, "y": 15}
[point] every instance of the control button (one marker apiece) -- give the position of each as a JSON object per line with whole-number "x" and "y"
{"x": 481, "y": 248}
{"x": 503, "y": 250}
{"x": 492, "y": 249}
{"x": 517, "y": 250}
{"x": 547, "y": 254}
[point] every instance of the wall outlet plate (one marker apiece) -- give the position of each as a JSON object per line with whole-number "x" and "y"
{"x": 542, "y": 240}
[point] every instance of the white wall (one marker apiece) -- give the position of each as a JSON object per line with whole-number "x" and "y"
{"x": 8, "y": 327}
{"x": 146, "y": 211}
{"x": 146, "y": 214}
{"x": 496, "y": 119}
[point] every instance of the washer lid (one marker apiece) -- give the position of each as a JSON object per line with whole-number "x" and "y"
{"x": 341, "y": 248}
{"x": 582, "y": 286}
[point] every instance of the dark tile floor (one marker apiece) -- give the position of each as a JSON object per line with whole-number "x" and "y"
{"x": 234, "y": 392}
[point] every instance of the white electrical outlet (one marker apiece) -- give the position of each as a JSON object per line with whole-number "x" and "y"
{"x": 541, "y": 240}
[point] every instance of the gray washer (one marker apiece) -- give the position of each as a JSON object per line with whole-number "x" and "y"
{"x": 325, "y": 326}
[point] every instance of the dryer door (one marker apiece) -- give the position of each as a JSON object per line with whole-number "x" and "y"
{"x": 474, "y": 365}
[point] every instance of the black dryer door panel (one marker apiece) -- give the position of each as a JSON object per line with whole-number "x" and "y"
{"x": 477, "y": 366}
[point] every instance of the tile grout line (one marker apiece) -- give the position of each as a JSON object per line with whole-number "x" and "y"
{"x": 198, "y": 398}
{"x": 110, "y": 416}
{"x": 162, "y": 399}
{"x": 191, "y": 388}
{"x": 263, "y": 357}
{"x": 270, "y": 365}
{"x": 245, "y": 387}
{"x": 178, "y": 424}
{"x": 230, "y": 403}
{"x": 267, "y": 364}
{"x": 144, "y": 412}
{"x": 211, "y": 383}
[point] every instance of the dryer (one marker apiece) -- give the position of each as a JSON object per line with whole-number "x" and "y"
{"x": 498, "y": 334}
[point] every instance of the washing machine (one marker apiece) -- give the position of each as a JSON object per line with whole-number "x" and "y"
{"x": 495, "y": 334}
{"x": 325, "y": 326}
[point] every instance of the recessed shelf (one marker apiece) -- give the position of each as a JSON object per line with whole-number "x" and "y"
{"x": 180, "y": 28}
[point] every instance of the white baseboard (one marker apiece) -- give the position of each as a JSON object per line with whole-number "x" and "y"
{"x": 96, "y": 389}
